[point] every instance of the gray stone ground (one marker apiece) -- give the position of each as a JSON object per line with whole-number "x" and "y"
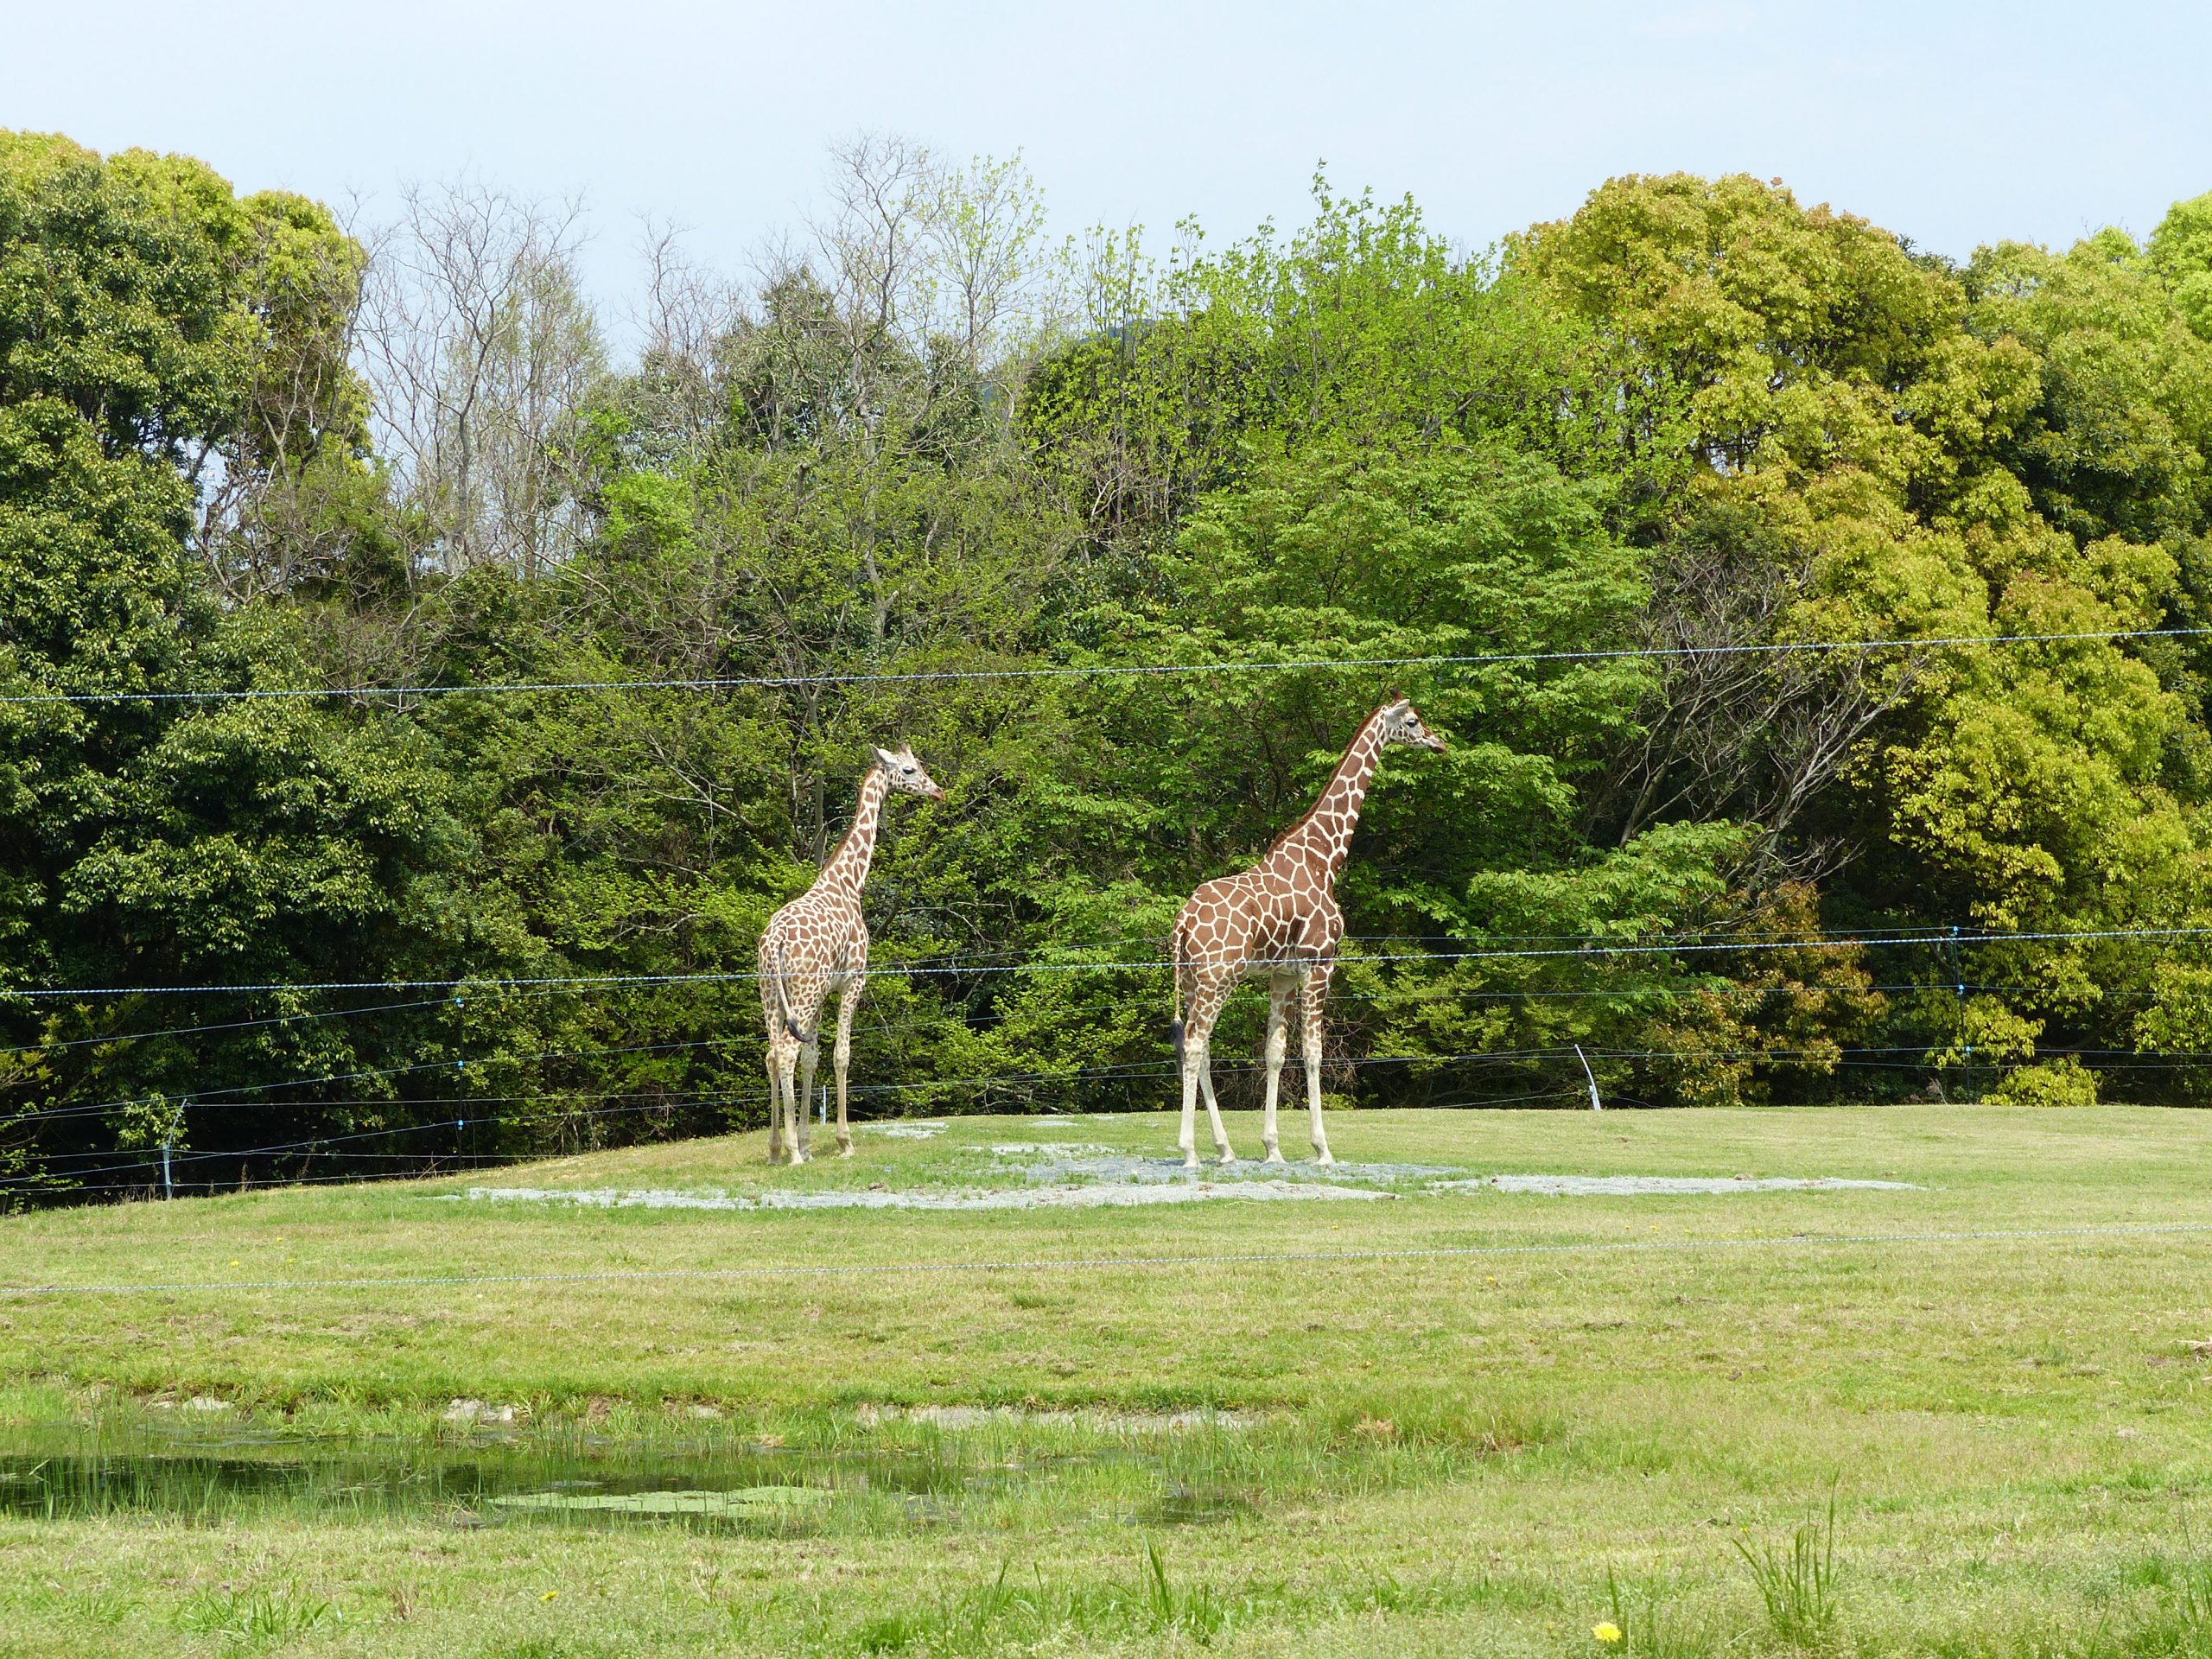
{"x": 1085, "y": 1175}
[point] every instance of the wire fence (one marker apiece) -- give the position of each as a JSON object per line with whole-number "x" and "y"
{"x": 1091, "y": 671}
{"x": 1566, "y": 947}
{"x": 1425, "y": 953}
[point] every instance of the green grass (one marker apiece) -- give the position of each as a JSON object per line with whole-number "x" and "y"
{"x": 1634, "y": 1410}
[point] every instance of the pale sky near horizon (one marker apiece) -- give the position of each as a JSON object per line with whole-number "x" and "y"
{"x": 1951, "y": 124}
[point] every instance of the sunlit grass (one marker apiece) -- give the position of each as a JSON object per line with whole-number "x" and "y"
{"x": 1489, "y": 1453}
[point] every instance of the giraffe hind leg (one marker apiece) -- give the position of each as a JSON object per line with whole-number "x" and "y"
{"x": 810, "y": 1054}
{"x": 794, "y": 1148}
{"x": 1280, "y": 989}
{"x": 1213, "y": 1114}
{"x": 1194, "y": 1060}
{"x": 1197, "y": 1067}
{"x": 775, "y": 1104}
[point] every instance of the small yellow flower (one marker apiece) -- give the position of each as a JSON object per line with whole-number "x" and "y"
{"x": 1607, "y": 1631}
{"x": 234, "y": 1264}
{"x": 549, "y": 1595}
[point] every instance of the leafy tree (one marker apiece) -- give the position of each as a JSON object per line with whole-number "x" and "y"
{"x": 1581, "y": 496}
{"x": 145, "y": 313}
{"x": 2181, "y": 253}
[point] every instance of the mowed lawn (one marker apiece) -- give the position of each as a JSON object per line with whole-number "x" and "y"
{"x": 1589, "y": 1414}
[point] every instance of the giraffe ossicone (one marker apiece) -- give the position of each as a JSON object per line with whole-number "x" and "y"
{"x": 1278, "y": 919}
{"x": 818, "y": 944}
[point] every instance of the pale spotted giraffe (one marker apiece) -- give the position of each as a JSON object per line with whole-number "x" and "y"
{"x": 1279, "y": 918}
{"x": 815, "y": 945}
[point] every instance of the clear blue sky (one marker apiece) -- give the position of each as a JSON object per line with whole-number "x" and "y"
{"x": 1951, "y": 124}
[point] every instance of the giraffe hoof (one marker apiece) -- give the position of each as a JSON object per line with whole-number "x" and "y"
{"x": 1227, "y": 1156}
{"x": 1275, "y": 1155}
{"x": 1323, "y": 1157}
{"x": 1189, "y": 1161}
{"x": 844, "y": 1149}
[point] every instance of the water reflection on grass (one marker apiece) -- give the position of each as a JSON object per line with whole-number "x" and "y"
{"x": 713, "y": 1481}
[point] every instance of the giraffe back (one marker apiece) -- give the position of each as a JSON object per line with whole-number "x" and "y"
{"x": 810, "y": 946}
{"x": 1279, "y": 911}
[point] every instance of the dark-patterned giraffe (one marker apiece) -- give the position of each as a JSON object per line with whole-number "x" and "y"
{"x": 815, "y": 945}
{"x": 1279, "y": 918}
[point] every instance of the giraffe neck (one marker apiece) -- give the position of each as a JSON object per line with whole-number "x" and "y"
{"x": 848, "y": 867}
{"x": 1323, "y": 838}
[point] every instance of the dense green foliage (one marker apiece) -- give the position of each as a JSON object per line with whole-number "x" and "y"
{"x": 1697, "y": 416}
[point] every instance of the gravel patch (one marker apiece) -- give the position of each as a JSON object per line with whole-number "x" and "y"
{"x": 473, "y": 1413}
{"x": 1058, "y": 1162}
{"x": 1099, "y": 1196}
{"x": 1108, "y": 1422}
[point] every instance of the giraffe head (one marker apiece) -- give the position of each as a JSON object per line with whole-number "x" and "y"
{"x": 906, "y": 774}
{"x": 1401, "y": 724}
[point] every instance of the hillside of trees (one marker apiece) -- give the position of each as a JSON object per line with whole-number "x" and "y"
{"x": 929, "y": 475}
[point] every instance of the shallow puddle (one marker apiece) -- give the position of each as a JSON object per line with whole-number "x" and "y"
{"x": 208, "y": 1476}
{"x": 1193, "y": 1507}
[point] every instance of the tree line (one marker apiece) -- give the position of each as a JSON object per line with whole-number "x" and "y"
{"x": 929, "y": 475}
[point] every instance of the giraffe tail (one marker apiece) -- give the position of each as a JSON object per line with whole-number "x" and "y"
{"x": 1175, "y": 1024}
{"x": 783, "y": 995}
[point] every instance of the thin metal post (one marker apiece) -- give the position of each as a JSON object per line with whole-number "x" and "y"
{"x": 1595, "y": 1105}
{"x": 168, "y": 1187}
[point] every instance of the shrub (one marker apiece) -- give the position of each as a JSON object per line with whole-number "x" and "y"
{"x": 2059, "y": 1082}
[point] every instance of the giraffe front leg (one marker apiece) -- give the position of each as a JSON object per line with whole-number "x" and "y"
{"x": 1278, "y": 992}
{"x": 1317, "y": 991}
{"x": 848, "y": 1001}
{"x": 809, "y": 1055}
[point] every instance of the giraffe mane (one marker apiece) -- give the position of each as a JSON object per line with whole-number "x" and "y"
{"x": 1306, "y": 817}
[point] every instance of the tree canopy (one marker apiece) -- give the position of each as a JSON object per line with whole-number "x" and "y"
{"x": 1816, "y": 621}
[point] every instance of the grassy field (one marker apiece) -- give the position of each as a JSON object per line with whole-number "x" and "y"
{"x": 1859, "y": 1421}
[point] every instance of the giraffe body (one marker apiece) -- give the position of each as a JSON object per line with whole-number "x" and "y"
{"x": 1279, "y": 921}
{"x": 816, "y": 945}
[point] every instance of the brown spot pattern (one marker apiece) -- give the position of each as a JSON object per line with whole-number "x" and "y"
{"x": 818, "y": 944}
{"x": 1280, "y": 920}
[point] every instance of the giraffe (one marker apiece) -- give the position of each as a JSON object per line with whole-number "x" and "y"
{"x": 1280, "y": 919}
{"x": 815, "y": 945}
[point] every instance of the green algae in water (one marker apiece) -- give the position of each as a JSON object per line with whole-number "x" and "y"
{"x": 745, "y": 1501}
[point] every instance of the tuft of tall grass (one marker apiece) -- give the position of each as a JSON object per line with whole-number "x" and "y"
{"x": 1648, "y": 1633}
{"x": 255, "y": 1615}
{"x": 1000, "y": 1615}
{"x": 1797, "y": 1583}
{"x": 2192, "y": 1593}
